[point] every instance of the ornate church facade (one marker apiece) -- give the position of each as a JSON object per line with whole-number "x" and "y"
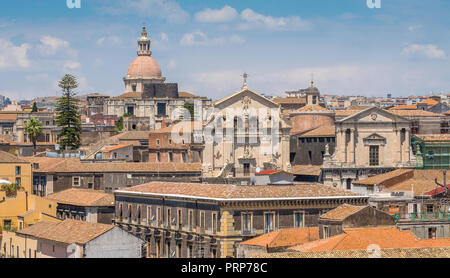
{"x": 370, "y": 142}
{"x": 245, "y": 134}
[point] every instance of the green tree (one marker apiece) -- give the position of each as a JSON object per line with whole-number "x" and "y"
{"x": 190, "y": 107}
{"x": 35, "y": 108}
{"x": 67, "y": 116}
{"x": 119, "y": 124}
{"x": 33, "y": 128}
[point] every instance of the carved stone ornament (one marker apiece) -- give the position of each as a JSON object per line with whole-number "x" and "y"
{"x": 246, "y": 102}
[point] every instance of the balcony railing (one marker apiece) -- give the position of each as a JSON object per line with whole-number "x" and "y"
{"x": 248, "y": 232}
{"x": 423, "y": 216}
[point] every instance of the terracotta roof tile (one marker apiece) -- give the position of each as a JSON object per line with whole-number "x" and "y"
{"x": 112, "y": 148}
{"x": 10, "y": 158}
{"x": 285, "y": 237}
{"x": 74, "y": 165}
{"x": 342, "y": 212}
{"x": 420, "y": 181}
{"x": 83, "y": 198}
{"x": 289, "y": 100}
{"x": 414, "y": 113}
{"x": 313, "y": 108}
{"x": 405, "y": 107}
{"x": 228, "y": 191}
{"x": 321, "y": 131}
{"x": 361, "y": 239}
{"x": 427, "y": 252}
{"x": 68, "y": 231}
{"x": 306, "y": 170}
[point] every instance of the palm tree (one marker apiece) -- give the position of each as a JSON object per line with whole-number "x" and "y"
{"x": 33, "y": 128}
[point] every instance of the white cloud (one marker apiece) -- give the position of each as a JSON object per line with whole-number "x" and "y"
{"x": 13, "y": 57}
{"x": 415, "y": 27}
{"x": 50, "y": 45}
{"x": 165, "y": 9}
{"x": 429, "y": 51}
{"x": 110, "y": 40}
{"x": 198, "y": 38}
{"x": 164, "y": 37}
{"x": 72, "y": 65}
{"x": 225, "y": 14}
{"x": 255, "y": 20}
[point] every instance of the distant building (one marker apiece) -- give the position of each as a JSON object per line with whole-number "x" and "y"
{"x": 71, "y": 239}
{"x": 84, "y": 204}
{"x": 207, "y": 220}
{"x": 369, "y": 142}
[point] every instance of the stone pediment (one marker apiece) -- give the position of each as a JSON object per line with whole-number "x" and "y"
{"x": 374, "y": 115}
{"x": 374, "y": 139}
{"x": 245, "y": 96}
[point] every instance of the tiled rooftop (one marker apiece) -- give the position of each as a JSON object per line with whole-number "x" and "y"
{"x": 427, "y": 252}
{"x": 83, "y": 198}
{"x": 420, "y": 181}
{"x": 229, "y": 191}
{"x": 74, "y": 165}
{"x": 342, "y": 212}
{"x": 69, "y": 231}
{"x": 361, "y": 239}
{"x": 285, "y": 237}
{"x": 10, "y": 158}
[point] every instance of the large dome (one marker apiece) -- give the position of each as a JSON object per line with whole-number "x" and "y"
{"x": 144, "y": 66}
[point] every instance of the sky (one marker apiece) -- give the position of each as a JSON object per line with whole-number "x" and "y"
{"x": 401, "y": 48}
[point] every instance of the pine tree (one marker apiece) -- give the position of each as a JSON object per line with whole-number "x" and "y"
{"x": 35, "y": 108}
{"x": 33, "y": 128}
{"x": 68, "y": 117}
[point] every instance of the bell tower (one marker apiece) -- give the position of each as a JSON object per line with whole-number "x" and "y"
{"x": 144, "y": 44}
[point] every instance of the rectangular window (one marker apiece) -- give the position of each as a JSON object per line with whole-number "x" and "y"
{"x": 19, "y": 181}
{"x": 76, "y": 181}
{"x": 299, "y": 219}
{"x": 158, "y": 157}
{"x": 179, "y": 218}
{"x": 214, "y": 223}
{"x": 171, "y": 156}
{"x": 191, "y": 220}
{"x": 184, "y": 156}
{"x": 374, "y": 155}
{"x": 246, "y": 169}
{"x": 179, "y": 250}
{"x": 326, "y": 232}
{"x": 18, "y": 170}
{"x": 246, "y": 222}
{"x": 47, "y": 137}
{"x": 202, "y": 219}
{"x": 169, "y": 216}
{"x": 161, "y": 109}
{"x": 158, "y": 215}
{"x": 269, "y": 220}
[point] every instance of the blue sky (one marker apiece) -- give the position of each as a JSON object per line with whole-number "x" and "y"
{"x": 205, "y": 45}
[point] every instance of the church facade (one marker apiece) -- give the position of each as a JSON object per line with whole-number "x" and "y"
{"x": 370, "y": 142}
{"x": 245, "y": 134}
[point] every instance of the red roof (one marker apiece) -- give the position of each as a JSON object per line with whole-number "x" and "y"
{"x": 268, "y": 172}
{"x": 437, "y": 191}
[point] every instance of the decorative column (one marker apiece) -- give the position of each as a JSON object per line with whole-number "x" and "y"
{"x": 352, "y": 145}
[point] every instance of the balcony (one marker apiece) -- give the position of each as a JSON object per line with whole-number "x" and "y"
{"x": 423, "y": 216}
{"x": 251, "y": 232}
